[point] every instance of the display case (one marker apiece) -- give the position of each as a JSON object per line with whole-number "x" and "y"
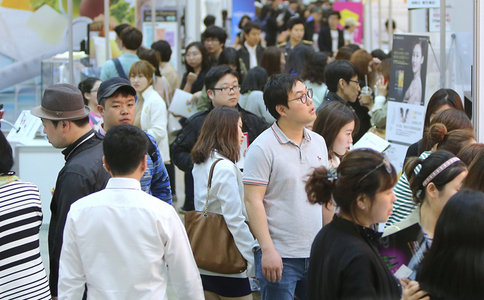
{"x": 56, "y": 70}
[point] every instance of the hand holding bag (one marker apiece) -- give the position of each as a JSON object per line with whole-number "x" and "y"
{"x": 212, "y": 243}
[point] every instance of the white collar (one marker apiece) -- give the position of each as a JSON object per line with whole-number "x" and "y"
{"x": 147, "y": 92}
{"x": 123, "y": 183}
{"x": 249, "y": 47}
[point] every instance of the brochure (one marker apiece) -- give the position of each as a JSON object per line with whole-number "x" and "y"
{"x": 403, "y": 251}
{"x": 181, "y": 104}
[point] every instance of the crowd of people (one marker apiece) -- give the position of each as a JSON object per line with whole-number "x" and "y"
{"x": 300, "y": 205}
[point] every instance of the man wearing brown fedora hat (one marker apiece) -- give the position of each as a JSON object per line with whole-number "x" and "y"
{"x": 66, "y": 124}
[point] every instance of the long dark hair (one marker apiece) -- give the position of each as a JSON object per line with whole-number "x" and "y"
{"x": 331, "y": 119}
{"x": 271, "y": 60}
{"x": 314, "y": 69}
{"x": 299, "y": 56}
{"x": 229, "y": 57}
{"x": 255, "y": 81}
{"x": 429, "y": 165}
{"x": 219, "y": 132}
{"x": 153, "y": 57}
{"x": 440, "y": 98}
{"x": 350, "y": 184}
{"x": 86, "y": 85}
{"x": 453, "y": 267}
{"x": 206, "y": 64}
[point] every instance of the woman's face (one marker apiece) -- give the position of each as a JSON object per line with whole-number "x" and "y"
{"x": 417, "y": 59}
{"x": 93, "y": 94}
{"x": 193, "y": 57}
{"x": 283, "y": 62}
{"x": 139, "y": 82}
{"x": 345, "y": 136}
{"x": 240, "y": 133}
{"x": 448, "y": 191}
{"x": 382, "y": 206}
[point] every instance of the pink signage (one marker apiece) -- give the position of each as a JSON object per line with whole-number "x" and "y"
{"x": 351, "y": 10}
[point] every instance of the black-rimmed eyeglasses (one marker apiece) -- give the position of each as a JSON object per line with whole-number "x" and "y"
{"x": 228, "y": 89}
{"x": 304, "y": 97}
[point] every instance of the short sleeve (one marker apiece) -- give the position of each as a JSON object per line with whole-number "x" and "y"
{"x": 257, "y": 166}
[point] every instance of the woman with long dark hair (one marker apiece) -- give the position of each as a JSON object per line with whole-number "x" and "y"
{"x": 273, "y": 60}
{"x": 251, "y": 95}
{"x": 88, "y": 88}
{"x": 313, "y": 76}
{"x": 197, "y": 64}
{"x": 345, "y": 263}
{"x": 220, "y": 138}
{"x": 337, "y": 124}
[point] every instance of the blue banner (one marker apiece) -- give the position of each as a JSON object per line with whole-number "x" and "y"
{"x": 241, "y": 8}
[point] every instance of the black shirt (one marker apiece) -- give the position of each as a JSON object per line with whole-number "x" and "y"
{"x": 345, "y": 264}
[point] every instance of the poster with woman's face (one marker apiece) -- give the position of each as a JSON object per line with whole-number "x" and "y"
{"x": 409, "y": 69}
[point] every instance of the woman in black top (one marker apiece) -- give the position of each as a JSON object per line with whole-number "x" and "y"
{"x": 345, "y": 263}
{"x": 197, "y": 64}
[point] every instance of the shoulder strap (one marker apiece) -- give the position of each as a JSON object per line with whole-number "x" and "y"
{"x": 119, "y": 68}
{"x": 209, "y": 185}
{"x": 152, "y": 150}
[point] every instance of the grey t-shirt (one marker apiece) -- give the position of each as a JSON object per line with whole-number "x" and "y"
{"x": 275, "y": 161}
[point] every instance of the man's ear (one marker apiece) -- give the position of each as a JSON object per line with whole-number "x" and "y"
{"x": 144, "y": 163}
{"x": 210, "y": 94}
{"x": 282, "y": 110}
{"x": 105, "y": 165}
{"x": 100, "y": 109}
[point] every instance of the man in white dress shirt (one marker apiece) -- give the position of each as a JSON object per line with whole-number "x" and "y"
{"x": 121, "y": 242}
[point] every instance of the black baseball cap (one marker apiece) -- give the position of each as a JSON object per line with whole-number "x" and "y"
{"x": 110, "y": 86}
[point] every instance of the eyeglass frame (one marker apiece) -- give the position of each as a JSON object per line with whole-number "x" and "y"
{"x": 385, "y": 162}
{"x": 310, "y": 91}
{"x": 230, "y": 89}
{"x": 355, "y": 81}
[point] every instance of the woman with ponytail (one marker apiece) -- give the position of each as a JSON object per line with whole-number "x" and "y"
{"x": 344, "y": 262}
{"x": 451, "y": 130}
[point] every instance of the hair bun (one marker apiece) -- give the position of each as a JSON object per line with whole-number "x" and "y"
{"x": 437, "y": 133}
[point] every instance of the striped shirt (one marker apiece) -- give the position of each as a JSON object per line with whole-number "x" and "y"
{"x": 404, "y": 204}
{"x": 22, "y": 274}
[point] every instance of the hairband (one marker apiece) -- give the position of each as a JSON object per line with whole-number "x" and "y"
{"x": 332, "y": 174}
{"x": 439, "y": 170}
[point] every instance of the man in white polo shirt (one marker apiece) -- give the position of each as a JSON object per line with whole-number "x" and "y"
{"x": 276, "y": 167}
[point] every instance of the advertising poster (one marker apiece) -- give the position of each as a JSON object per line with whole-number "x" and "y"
{"x": 166, "y": 28}
{"x": 408, "y": 69}
{"x": 351, "y": 10}
{"x": 406, "y": 96}
{"x": 240, "y": 9}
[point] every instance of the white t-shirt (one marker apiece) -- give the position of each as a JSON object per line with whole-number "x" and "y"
{"x": 334, "y": 39}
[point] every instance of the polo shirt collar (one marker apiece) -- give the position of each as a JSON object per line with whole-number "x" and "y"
{"x": 283, "y": 139}
{"x": 123, "y": 183}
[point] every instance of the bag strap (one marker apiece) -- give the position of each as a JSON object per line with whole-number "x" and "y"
{"x": 119, "y": 68}
{"x": 209, "y": 186}
{"x": 152, "y": 150}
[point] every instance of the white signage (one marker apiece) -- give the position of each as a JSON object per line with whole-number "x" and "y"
{"x": 414, "y": 4}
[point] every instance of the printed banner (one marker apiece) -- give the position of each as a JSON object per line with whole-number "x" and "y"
{"x": 406, "y": 96}
{"x": 351, "y": 10}
{"x": 240, "y": 9}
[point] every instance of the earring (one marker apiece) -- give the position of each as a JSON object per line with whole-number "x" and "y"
{"x": 363, "y": 207}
